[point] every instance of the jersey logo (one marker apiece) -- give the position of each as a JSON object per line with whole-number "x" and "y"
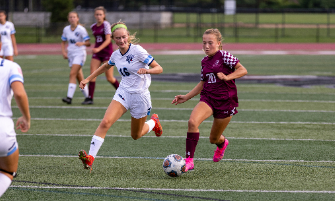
{"x": 76, "y": 34}
{"x": 216, "y": 63}
{"x": 130, "y": 58}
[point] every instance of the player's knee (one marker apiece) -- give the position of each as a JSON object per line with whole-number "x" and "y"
{"x": 105, "y": 123}
{"x": 73, "y": 74}
{"x": 135, "y": 136}
{"x": 192, "y": 124}
{"x": 111, "y": 79}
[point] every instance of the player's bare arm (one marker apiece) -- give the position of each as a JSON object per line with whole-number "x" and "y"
{"x": 16, "y": 52}
{"x": 240, "y": 71}
{"x": 21, "y": 98}
{"x": 64, "y": 53}
{"x": 86, "y": 43}
{"x": 155, "y": 69}
{"x": 107, "y": 41}
{"x": 103, "y": 68}
{"x": 183, "y": 98}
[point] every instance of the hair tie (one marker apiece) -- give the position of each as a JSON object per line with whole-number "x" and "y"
{"x": 119, "y": 26}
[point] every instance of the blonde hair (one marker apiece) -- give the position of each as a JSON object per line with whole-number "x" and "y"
{"x": 131, "y": 39}
{"x": 103, "y": 10}
{"x": 216, "y": 33}
{"x": 76, "y": 14}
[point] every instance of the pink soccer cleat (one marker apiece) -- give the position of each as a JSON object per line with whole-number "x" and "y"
{"x": 158, "y": 127}
{"x": 219, "y": 152}
{"x": 189, "y": 166}
{"x": 86, "y": 159}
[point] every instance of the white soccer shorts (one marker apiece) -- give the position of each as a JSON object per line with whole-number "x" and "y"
{"x": 139, "y": 104}
{"x": 6, "y": 50}
{"x": 78, "y": 59}
{"x": 8, "y": 143}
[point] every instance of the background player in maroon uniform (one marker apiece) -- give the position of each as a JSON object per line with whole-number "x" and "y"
{"x": 102, "y": 50}
{"x": 218, "y": 95}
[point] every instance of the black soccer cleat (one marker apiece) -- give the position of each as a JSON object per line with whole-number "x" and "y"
{"x": 87, "y": 101}
{"x": 67, "y": 100}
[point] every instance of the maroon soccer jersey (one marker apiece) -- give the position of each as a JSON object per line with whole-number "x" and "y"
{"x": 100, "y": 33}
{"x": 218, "y": 89}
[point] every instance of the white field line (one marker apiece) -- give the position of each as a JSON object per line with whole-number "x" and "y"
{"x": 171, "y": 189}
{"x": 163, "y": 108}
{"x": 201, "y": 137}
{"x": 184, "y": 121}
{"x": 160, "y": 158}
{"x": 197, "y": 99}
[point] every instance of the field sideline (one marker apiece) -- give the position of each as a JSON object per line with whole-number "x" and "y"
{"x": 282, "y": 141}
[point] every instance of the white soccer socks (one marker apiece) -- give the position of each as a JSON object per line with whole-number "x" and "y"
{"x": 95, "y": 145}
{"x": 85, "y": 91}
{"x": 151, "y": 123}
{"x": 4, "y": 183}
{"x": 71, "y": 89}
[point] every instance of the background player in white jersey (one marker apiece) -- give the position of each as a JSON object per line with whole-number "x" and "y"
{"x": 11, "y": 80}
{"x": 77, "y": 38}
{"x": 8, "y": 40}
{"x": 132, "y": 62}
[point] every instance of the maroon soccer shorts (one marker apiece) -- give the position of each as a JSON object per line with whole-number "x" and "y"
{"x": 221, "y": 108}
{"x": 101, "y": 57}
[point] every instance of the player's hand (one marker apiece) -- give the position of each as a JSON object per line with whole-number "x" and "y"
{"x": 23, "y": 124}
{"x": 95, "y": 50}
{"x": 179, "y": 99}
{"x": 83, "y": 84}
{"x": 222, "y": 76}
{"x": 142, "y": 71}
{"x": 79, "y": 44}
{"x": 65, "y": 55}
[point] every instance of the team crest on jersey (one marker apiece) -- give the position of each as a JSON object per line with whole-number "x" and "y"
{"x": 217, "y": 63}
{"x": 130, "y": 58}
{"x": 77, "y": 34}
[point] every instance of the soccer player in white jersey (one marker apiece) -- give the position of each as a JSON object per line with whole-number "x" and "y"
{"x": 11, "y": 81}
{"x": 132, "y": 62}
{"x": 8, "y": 40}
{"x": 77, "y": 38}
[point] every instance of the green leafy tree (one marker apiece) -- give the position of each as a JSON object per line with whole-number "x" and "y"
{"x": 59, "y": 9}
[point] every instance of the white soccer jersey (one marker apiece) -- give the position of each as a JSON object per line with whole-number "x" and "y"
{"x": 78, "y": 35}
{"x": 6, "y": 30}
{"x": 9, "y": 73}
{"x": 128, "y": 64}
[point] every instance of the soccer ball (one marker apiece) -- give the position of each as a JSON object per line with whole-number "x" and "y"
{"x": 174, "y": 165}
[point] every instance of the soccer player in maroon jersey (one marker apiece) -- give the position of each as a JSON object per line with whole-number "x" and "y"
{"x": 102, "y": 50}
{"x": 218, "y": 95}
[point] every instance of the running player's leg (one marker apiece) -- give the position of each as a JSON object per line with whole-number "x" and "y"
{"x": 75, "y": 68}
{"x": 139, "y": 127}
{"x": 8, "y": 164}
{"x": 95, "y": 64}
{"x": 200, "y": 112}
{"x": 216, "y": 137}
{"x": 114, "y": 111}
{"x": 9, "y": 58}
{"x": 80, "y": 77}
